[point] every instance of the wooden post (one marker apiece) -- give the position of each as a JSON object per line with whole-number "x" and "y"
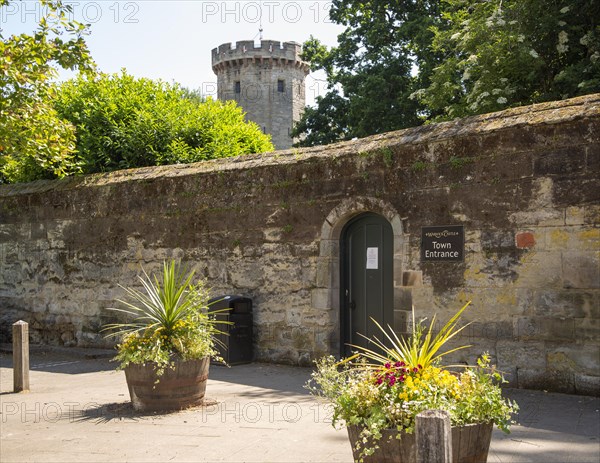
{"x": 20, "y": 332}
{"x": 433, "y": 437}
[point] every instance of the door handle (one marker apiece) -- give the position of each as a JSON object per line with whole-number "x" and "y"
{"x": 352, "y": 305}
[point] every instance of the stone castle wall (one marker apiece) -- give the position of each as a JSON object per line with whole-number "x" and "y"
{"x": 523, "y": 182}
{"x": 258, "y": 70}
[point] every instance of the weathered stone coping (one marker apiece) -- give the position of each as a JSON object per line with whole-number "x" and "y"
{"x": 539, "y": 114}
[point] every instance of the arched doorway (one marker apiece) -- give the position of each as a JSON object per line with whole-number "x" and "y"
{"x": 366, "y": 279}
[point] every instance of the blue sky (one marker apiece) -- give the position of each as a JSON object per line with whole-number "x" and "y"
{"x": 172, "y": 39}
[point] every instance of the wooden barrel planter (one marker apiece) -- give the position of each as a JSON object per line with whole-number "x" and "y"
{"x": 470, "y": 444}
{"x": 177, "y": 388}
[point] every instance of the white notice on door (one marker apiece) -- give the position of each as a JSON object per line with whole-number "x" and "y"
{"x": 372, "y": 258}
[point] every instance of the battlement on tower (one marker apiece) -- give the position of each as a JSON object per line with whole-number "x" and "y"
{"x": 267, "y": 79}
{"x": 245, "y": 50}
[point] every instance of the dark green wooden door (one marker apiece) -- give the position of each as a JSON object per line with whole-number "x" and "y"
{"x": 367, "y": 279}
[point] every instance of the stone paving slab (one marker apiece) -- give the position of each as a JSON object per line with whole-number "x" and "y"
{"x": 78, "y": 411}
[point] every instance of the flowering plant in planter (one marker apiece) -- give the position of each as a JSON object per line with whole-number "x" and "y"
{"x": 166, "y": 348}
{"x": 387, "y": 386}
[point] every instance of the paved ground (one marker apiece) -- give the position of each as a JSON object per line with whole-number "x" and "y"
{"x": 78, "y": 410}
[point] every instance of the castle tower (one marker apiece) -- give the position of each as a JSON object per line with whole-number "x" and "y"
{"x": 266, "y": 81}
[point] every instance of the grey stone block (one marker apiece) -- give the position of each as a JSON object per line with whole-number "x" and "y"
{"x": 581, "y": 269}
{"x": 587, "y": 384}
{"x": 520, "y": 354}
{"x": 544, "y": 328}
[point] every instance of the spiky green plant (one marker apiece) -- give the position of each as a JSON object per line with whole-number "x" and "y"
{"x": 162, "y": 305}
{"x": 420, "y": 348}
{"x": 170, "y": 319}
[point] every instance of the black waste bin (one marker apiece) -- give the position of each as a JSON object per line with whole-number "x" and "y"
{"x": 236, "y": 345}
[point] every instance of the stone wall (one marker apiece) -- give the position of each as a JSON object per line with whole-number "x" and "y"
{"x": 523, "y": 182}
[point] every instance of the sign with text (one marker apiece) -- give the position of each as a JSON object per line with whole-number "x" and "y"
{"x": 372, "y": 258}
{"x": 443, "y": 243}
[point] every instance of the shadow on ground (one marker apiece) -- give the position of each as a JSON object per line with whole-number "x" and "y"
{"x": 549, "y": 427}
{"x": 52, "y": 362}
{"x": 281, "y": 378}
{"x": 579, "y": 415}
{"x": 124, "y": 411}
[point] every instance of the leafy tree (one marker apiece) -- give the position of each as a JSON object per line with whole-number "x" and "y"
{"x": 400, "y": 63}
{"x": 327, "y": 123}
{"x": 123, "y": 122}
{"x": 509, "y": 53}
{"x": 34, "y": 142}
{"x": 370, "y": 73}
